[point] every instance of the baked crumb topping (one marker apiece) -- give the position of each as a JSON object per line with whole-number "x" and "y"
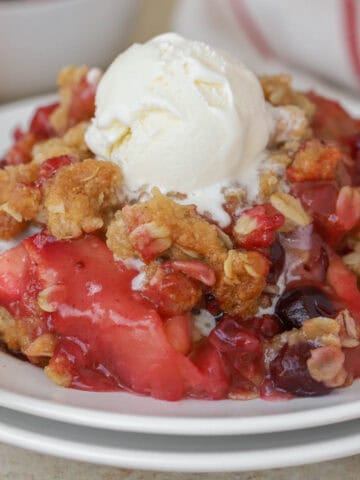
{"x": 305, "y": 222}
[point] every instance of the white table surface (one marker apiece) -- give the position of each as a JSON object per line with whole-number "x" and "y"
{"x": 18, "y": 464}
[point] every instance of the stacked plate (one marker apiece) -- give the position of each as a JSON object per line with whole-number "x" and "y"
{"x": 125, "y": 430}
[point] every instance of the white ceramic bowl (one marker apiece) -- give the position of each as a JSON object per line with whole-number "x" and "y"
{"x": 39, "y": 37}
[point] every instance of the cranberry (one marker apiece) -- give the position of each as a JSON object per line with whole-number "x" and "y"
{"x": 231, "y": 337}
{"x": 354, "y": 143}
{"x": 20, "y": 152}
{"x": 320, "y": 199}
{"x": 300, "y": 303}
{"x": 40, "y": 124}
{"x": 277, "y": 259}
{"x": 241, "y": 351}
{"x": 82, "y": 102}
{"x": 18, "y": 134}
{"x": 267, "y": 220}
{"x": 290, "y": 374}
{"x": 356, "y": 156}
{"x": 331, "y": 122}
{"x": 317, "y": 264}
{"x": 194, "y": 269}
{"x": 267, "y": 325}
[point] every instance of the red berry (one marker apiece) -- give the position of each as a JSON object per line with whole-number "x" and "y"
{"x": 194, "y": 269}
{"x": 18, "y": 133}
{"x": 301, "y": 303}
{"x": 290, "y": 374}
{"x": 257, "y": 226}
{"x": 266, "y": 326}
{"x": 82, "y": 105}
{"x": 40, "y": 124}
{"x": 320, "y": 199}
{"x": 348, "y": 207}
{"x": 276, "y": 256}
{"x": 241, "y": 350}
{"x": 344, "y": 284}
{"x": 20, "y": 152}
{"x": 331, "y": 122}
{"x": 315, "y": 161}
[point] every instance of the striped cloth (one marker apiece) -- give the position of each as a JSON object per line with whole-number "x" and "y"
{"x": 313, "y": 39}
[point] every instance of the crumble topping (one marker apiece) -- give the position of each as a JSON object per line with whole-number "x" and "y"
{"x": 225, "y": 294}
{"x": 81, "y": 198}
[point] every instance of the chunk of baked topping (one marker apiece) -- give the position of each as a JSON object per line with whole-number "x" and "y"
{"x": 81, "y": 197}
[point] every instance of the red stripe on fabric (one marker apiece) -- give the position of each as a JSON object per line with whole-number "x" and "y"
{"x": 251, "y": 29}
{"x": 351, "y": 31}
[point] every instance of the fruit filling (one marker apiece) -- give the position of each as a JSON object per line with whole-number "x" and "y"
{"x": 149, "y": 292}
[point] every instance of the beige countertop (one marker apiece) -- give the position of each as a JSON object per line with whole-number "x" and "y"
{"x": 18, "y": 464}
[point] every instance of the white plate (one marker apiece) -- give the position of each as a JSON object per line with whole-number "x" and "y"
{"x": 185, "y": 454}
{"x": 25, "y": 388}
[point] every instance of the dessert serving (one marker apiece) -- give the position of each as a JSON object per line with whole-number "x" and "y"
{"x": 198, "y": 231}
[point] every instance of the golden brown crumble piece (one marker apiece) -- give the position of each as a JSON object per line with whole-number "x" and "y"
{"x": 292, "y": 126}
{"x": 9, "y": 176}
{"x": 9, "y": 227}
{"x": 72, "y": 144}
{"x": 241, "y": 282}
{"x": 268, "y": 184}
{"x": 326, "y": 365}
{"x": 58, "y": 372}
{"x": 77, "y": 92}
{"x": 291, "y": 208}
{"x": 42, "y": 347}
{"x": 21, "y": 335}
{"x": 172, "y": 223}
{"x": 315, "y": 161}
{"x": 117, "y": 237}
{"x": 19, "y": 201}
{"x": 67, "y": 79}
{"x": 280, "y": 158}
{"x": 349, "y": 331}
{"x": 235, "y": 200}
{"x": 23, "y": 203}
{"x": 279, "y": 92}
{"x": 8, "y": 333}
{"x": 81, "y": 197}
{"x": 162, "y": 227}
{"x": 352, "y": 261}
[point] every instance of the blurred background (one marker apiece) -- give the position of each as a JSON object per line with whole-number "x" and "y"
{"x": 315, "y": 40}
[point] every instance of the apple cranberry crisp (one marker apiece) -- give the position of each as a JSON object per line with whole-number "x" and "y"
{"x": 152, "y": 297}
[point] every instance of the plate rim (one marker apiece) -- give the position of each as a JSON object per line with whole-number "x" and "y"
{"x": 179, "y": 425}
{"x": 293, "y": 454}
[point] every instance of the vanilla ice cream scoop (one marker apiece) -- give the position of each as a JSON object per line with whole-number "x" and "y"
{"x": 184, "y": 117}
